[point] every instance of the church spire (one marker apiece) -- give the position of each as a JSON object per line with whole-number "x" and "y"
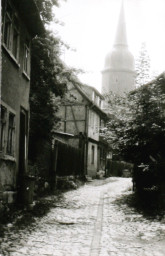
{"x": 121, "y": 35}
{"x": 119, "y": 72}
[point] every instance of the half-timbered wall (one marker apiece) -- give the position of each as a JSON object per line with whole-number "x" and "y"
{"x": 73, "y": 119}
{"x": 78, "y": 116}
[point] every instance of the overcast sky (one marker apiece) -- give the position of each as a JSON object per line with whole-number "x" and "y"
{"x": 90, "y": 27}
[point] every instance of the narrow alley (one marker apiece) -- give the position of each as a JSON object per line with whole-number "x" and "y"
{"x": 93, "y": 220}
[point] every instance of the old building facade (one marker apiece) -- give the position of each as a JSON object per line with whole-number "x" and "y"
{"x": 21, "y": 22}
{"x": 81, "y": 118}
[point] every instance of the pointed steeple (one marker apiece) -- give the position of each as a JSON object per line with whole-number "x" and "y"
{"x": 118, "y": 75}
{"x": 121, "y": 35}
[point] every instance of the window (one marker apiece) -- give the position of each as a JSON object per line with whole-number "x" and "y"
{"x": 93, "y": 96}
{"x": 11, "y": 31}
{"x": 7, "y": 131}
{"x": 93, "y": 155}
{"x": 26, "y": 64}
{"x": 102, "y": 124}
{"x": 91, "y": 118}
{"x": 15, "y": 38}
{"x": 11, "y": 131}
{"x": 7, "y": 26}
{"x": 100, "y": 105}
{"x": 97, "y": 127}
{"x": 101, "y": 155}
{"x": 2, "y": 128}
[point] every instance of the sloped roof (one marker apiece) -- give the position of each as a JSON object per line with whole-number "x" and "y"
{"x": 91, "y": 103}
{"x": 94, "y": 89}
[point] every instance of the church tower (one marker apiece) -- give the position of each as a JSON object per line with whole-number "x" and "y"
{"x": 118, "y": 75}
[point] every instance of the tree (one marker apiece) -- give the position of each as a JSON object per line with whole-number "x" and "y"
{"x": 117, "y": 110}
{"x": 45, "y": 9}
{"x": 138, "y": 132}
{"x": 46, "y": 82}
{"x": 142, "y": 66}
{"x": 49, "y": 78}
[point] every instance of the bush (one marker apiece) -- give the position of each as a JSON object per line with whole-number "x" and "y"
{"x": 65, "y": 183}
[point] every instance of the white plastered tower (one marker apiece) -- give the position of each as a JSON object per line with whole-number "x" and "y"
{"x": 118, "y": 75}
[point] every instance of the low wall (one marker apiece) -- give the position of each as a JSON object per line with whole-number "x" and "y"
{"x": 7, "y": 175}
{"x": 7, "y": 181}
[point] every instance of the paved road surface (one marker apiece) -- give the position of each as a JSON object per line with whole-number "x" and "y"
{"x": 93, "y": 220}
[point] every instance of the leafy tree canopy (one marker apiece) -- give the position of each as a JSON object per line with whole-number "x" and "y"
{"x": 142, "y": 66}
{"x": 45, "y": 9}
{"x": 49, "y": 79}
{"x": 137, "y": 129}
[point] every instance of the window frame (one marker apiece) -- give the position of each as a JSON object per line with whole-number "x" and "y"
{"x": 92, "y": 154}
{"x": 8, "y": 37}
{"x": 10, "y": 135}
{"x": 7, "y": 30}
{"x": 16, "y": 31}
{"x": 3, "y": 128}
{"x": 4, "y": 154}
{"x": 26, "y": 59}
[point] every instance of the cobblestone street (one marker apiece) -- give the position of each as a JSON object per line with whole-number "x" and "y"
{"x": 90, "y": 221}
